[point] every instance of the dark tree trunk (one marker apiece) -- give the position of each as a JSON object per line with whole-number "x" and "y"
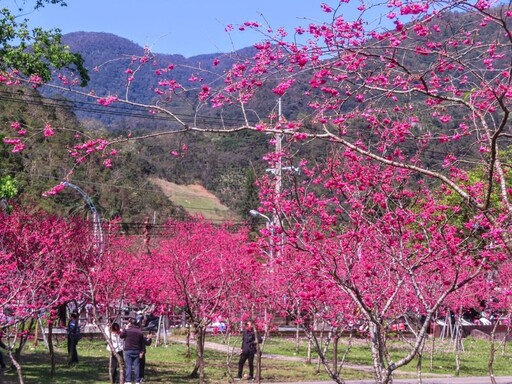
{"x": 199, "y": 333}
{"x": 335, "y": 353}
{"x": 51, "y": 349}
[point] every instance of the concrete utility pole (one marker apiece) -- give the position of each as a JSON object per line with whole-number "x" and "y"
{"x": 278, "y": 174}
{"x": 273, "y": 221}
{"x": 278, "y": 149}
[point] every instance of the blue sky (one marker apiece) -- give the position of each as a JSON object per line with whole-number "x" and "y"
{"x": 178, "y": 27}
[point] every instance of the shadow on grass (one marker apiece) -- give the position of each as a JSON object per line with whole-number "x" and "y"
{"x": 92, "y": 369}
{"x": 36, "y": 369}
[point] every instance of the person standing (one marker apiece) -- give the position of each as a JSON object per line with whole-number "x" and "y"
{"x": 147, "y": 343}
{"x": 133, "y": 348}
{"x": 73, "y": 338}
{"x": 139, "y": 319}
{"x": 3, "y": 367}
{"x": 248, "y": 350}
{"x": 117, "y": 349}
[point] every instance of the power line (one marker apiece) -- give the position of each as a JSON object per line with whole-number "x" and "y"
{"x": 164, "y": 230}
{"x": 120, "y": 110}
{"x": 140, "y": 112}
{"x": 113, "y": 109}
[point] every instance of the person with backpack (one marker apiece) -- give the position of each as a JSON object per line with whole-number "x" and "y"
{"x": 74, "y": 337}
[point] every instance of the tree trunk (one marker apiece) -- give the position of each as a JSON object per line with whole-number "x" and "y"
{"x": 297, "y": 338}
{"x": 308, "y": 358}
{"x": 432, "y": 347}
{"x": 335, "y": 353}
{"x": 51, "y": 349}
{"x": 36, "y": 334}
{"x": 376, "y": 352}
{"x": 458, "y": 342}
{"x": 187, "y": 343}
{"x": 259, "y": 348}
{"x": 257, "y": 368}
{"x": 17, "y": 366}
{"x": 319, "y": 350}
{"x": 420, "y": 361}
{"x": 322, "y": 347}
{"x": 505, "y": 337}
{"x": 198, "y": 371}
{"x": 120, "y": 367}
{"x": 492, "y": 352}
{"x": 383, "y": 374}
{"x": 23, "y": 338}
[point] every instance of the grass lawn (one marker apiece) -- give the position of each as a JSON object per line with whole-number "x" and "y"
{"x": 164, "y": 365}
{"x": 474, "y": 358}
{"x": 171, "y": 365}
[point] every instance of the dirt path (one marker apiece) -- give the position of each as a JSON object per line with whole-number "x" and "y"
{"x": 363, "y": 368}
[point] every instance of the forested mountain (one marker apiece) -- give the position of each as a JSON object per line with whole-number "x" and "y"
{"x": 222, "y": 163}
{"x": 108, "y": 57}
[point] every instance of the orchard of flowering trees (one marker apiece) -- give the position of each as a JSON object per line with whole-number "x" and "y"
{"x": 408, "y": 215}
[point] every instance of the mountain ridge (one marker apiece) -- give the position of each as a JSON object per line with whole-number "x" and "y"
{"x": 109, "y": 57}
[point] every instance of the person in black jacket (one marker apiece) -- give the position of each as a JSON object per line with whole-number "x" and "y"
{"x": 248, "y": 350}
{"x": 147, "y": 342}
{"x": 3, "y": 367}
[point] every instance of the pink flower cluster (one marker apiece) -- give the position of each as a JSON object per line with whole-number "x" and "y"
{"x": 106, "y": 101}
{"x": 52, "y": 192}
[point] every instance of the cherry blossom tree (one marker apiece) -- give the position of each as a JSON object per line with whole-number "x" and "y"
{"x": 120, "y": 278}
{"x": 318, "y": 308}
{"x": 40, "y": 256}
{"x": 380, "y": 246}
{"x": 254, "y": 299}
{"x": 200, "y": 267}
